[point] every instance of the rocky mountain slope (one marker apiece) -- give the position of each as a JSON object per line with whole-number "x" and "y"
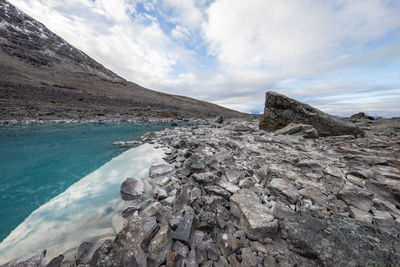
{"x": 44, "y": 77}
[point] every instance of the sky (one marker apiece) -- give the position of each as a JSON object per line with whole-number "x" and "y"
{"x": 340, "y": 56}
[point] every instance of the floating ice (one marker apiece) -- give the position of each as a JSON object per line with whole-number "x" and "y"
{"x": 83, "y": 212}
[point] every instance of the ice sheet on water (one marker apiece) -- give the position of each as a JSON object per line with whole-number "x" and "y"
{"x": 83, "y": 212}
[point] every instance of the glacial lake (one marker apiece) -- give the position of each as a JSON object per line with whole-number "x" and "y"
{"x": 40, "y": 161}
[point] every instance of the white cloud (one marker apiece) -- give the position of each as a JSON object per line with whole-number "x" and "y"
{"x": 231, "y": 51}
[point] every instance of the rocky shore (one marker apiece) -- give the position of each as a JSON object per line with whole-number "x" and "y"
{"x": 231, "y": 194}
{"x": 234, "y": 195}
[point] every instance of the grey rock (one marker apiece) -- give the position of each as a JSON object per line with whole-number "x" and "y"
{"x": 133, "y": 143}
{"x": 255, "y": 218}
{"x": 204, "y": 177}
{"x": 216, "y": 190}
{"x": 315, "y": 194}
{"x": 227, "y": 243}
{"x": 174, "y": 259}
{"x": 180, "y": 248}
{"x": 191, "y": 260}
{"x": 249, "y": 259}
{"x": 361, "y": 116}
{"x": 132, "y": 189}
{"x": 56, "y": 261}
{"x": 219, "y": 120}
{"x": 356, "y": 197}
{"x": 386, "y": 206}
{"x": 386, "y": 188}
{"x": 160, "y": 245}
{"x": 284, "y": 188}
{"x": 185, "y": 228}
{"x": 160, "y": 193}
{"x": 228, "y": 186}
{"x": 130, "y": 210}
{"x": 233, "y": 175}
{"x": 86, "y": 250}
{"x": 358, "y": 245}
{"x": 281, "y": 111}
{"x": 31, "y": 259}
{"x": 360, "y": 215}
{"x": 305, "y": 130}
{"x": 159, "y": 170}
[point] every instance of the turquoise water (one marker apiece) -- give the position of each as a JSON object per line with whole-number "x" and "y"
{"x": 88, "y": 210}
{"x": 38, "y": 162}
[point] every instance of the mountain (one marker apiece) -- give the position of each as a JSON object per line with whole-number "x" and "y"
{"x": 44, "y": 77}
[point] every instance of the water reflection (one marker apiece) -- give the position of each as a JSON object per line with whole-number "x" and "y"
{"x": 83, "y": 212}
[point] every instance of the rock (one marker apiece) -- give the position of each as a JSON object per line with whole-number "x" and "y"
{"x": 132, "y": 189}
{"x": 155, "y": 209}
{"x": 180, "y": 248}
{"x": 258, "y": 247}
{"x": 360, "y": 215}
{"x": 160, "y": 193}
{"x": 86, "y": 251}
{"x": 216, "y": 190}
{"x": 315, "y": 194}
{"x": 386, "y": 188}
{"x": 356, "y": 197}
{"x": 160, "y": 245}
{"x": 359, "y": 244}
{"x": 305, "y": 130}
{"x": 185, "y": 228}
{"x": 159, "y": 170}
{"x": 255, "y": 218}
{"x": 233, "y": 261}
{"x": 196, "y": 164}
{"x": 269, "y": 261}
{"x": 282, "y": 187}
{"x": 249, "y": 259}
{"x": 233, "y": 175}
{"x": 130, "y": 210}
{"x": 56, "y": 262}
{"x": 387, "y": 206}
{"x": 31, "y": 259}
{"x": 191, "y": 260}
{"x": 361, "y": 116}
{"x": 219, "y": 120}
{"x": 118, "y": 223}
{"x": 309, "y": 163}
{"x": 204, "y": 177}
{"x": 174, "y": 259}
{"x": 228, "y": 186}
{"x": 127, "y": 143}
{"x": 281, "y": 111}
{"x": 227, "y": 244}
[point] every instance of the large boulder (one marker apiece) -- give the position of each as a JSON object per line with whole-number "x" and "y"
{"x": 281, "y": 110}
{"x": 361, "y": 116}
{"x": 131, "y": 189}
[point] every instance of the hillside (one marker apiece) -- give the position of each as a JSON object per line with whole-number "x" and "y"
{"x": 44, "y": 77}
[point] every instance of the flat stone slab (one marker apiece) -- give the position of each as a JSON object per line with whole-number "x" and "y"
{"x": 159, "y": 170}
{"x": 255, "y": 218}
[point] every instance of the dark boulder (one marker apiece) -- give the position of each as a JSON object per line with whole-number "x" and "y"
{"x": 281, "y": 110}
{"x": 131, "y": 189}
{"x": 361, "y": 116}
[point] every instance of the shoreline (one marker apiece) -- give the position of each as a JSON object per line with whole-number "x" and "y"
{"x": 240, "y": 195}
{"x": 67, "y": 121}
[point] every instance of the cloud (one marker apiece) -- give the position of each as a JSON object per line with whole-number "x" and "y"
{"x": 230, "y": 51}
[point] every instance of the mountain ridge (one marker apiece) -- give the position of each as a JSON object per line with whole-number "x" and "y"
{"x": 44, "y": 77}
